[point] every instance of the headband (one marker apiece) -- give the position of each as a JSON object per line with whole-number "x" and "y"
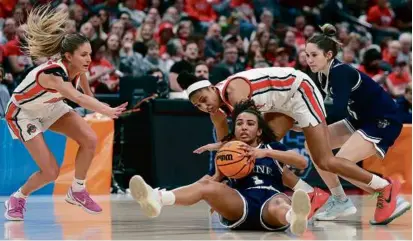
{"x": 197, "y": 85}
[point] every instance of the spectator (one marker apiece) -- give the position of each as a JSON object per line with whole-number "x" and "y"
{"x": 214, "y": 47}
{"x": 144, "y": 34}
{"x": 187, "y": 64}
{"x": 381, "y": 16}
{"x": 202, "y": 11}
{"x": 101, "y": 75}
{"x": 301, "y": 62}
{"x": 70, "y": 26}
{"x": 112, "y": 50}
{"x": 185, "y": 29}
{"x": 88, "y": 30}
{"x": 404, "y": 104}
{"x": 104, "y": 19}
{"x": 152, "y": 59}
{"x": 228, "y": 66}
{"x": 76, "y": 13}
{"x": 174, "y": 53}
{"x": 4, "y": 94}
{"x": 118, "y": 28}
{"x": 9, "y": 30}
{"x": 131, "y": 62}
{"x": 163, "y": 87}
{"x": 136, "y": 15}
{"x": 282, "y": 59}
{"x": 392, "y": 52}
{"x": 398, "y": 80}
{"x": 290, "y": 45}
{"x": 405, "y": 40}
{"x": 201, "y": 70}
{"x": 110, "y": 6}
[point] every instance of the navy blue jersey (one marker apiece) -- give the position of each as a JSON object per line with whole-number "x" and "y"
{"x": 355, "y": 93}
{"x": 267, "y": 172}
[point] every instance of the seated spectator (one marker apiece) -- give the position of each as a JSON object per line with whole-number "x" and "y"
{"x": 187, "y": 64}
{"x": 4, "y": 94}
{"x": 282, "y": 59}
{"x": 112, "y": 50}
{"x": 144, "y": 34}
{"x": 201, "y": 70}
{"x": 381, "y": 16}
{"x": 131, "y": 62}
{"x": 152, "y": 59}
{"x": 136, "y": 15}
{"x": 101, "y": 74}
{"x": 228, "y": 66}
{"x": 391, "y": 53}
{"x": 404, "y": 104}
{"x": 398, "y": 80}
{"x": 405, "y": 40}
{"x": 163, "y": 87}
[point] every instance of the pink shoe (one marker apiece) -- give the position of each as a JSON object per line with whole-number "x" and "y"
{"x": 83, "y": 199}
{"x": 14, "y": 209}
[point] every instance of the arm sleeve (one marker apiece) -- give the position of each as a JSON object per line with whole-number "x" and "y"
{"x": 343, "y": 79}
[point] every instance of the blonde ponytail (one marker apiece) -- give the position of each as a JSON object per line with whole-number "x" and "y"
{"x": 45, "y": 31}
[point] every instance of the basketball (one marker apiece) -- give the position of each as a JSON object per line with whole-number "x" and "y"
{"x": 231, "y": 163}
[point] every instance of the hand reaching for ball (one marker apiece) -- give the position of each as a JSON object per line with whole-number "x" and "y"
{"x": 253, "y": 151}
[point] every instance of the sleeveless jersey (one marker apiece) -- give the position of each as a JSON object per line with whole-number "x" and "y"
{"x": 29, "y": 94}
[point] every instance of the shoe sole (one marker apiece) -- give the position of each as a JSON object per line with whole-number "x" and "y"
{"x": 400, "y": 210}
{"x": 6, "y": 205}
{"x": 345, "y": 213}
{"x": 69, "y": 199}
{"x": 301, "y": 207}
{"x": 139, "y": 192}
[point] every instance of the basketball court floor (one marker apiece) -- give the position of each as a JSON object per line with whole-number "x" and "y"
{"x": 52, "y": 218}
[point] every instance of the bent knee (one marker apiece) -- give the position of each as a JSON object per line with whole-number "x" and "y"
{"x": 326, "y": 163}
{"x": 51, "y": 173}
{"x": 208, "y": 187}
{"x": 276, "y": 204}
{"x": 89, "y": 141}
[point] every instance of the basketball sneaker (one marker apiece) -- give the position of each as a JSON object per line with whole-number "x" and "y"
{"x": 83, "y": 200}
{"x": 300, "y": 208}
{"x": 146, "y": 196}
{"x": 336, "y": 208}
{"x": 389, "y": 204}
{"x": 15, "y": 208}
{"x": 318, "y": 198}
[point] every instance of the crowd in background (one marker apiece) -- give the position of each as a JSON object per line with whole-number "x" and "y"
{"x": 217, "y": 38}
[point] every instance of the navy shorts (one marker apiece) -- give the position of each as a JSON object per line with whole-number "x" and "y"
{"x": 254, "y": 202}
{"x": 381, "y": 132}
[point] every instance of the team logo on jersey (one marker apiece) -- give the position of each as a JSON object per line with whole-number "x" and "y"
{"x": 382, "y": 123}
{"x": 31, "y": 129}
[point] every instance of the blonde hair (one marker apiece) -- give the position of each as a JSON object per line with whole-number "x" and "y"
{"x": 46, "y": 35}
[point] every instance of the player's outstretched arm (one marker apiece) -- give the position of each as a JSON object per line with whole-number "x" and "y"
{"x": 68, "y": 91}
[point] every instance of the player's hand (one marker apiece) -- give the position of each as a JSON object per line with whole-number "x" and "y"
{"x": 117, "y": 111}
{"x": 253, "y": 152}
{"x": 208, "y": 147}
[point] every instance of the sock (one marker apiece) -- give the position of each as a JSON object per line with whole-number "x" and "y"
{"x": 78, "y": 185}
{"x": 288, "y": 216}
{"x": 167, "y": 198}
{"x": 378, "y": 182}
{"x": 19, "y": 194}
{"x": 338, "y": 193}
{"x": 303, "y": 186}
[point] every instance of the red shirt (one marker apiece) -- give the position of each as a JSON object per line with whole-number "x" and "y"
{"x": 12, "y": 48}
{"x": 380, "y": 16}
{"x": 201, "y": 10}
{"x": 398, "y": 80}
{"x": 97, "y": 67}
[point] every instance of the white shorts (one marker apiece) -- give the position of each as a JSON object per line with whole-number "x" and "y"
{"x": 25, "y": 124}
{"x": 306, "y": 105}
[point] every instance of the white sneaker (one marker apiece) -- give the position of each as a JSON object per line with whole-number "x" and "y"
{"x": 146, "y": 196}
{"x": 300, "y": 208}
{"x": 336, "y": 209}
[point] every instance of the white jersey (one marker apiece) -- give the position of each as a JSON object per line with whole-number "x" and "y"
{"x": 30, "y": 95}
{"x": 283, "y": 90}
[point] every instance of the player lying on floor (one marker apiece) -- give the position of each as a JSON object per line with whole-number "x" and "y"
{"x": 255, "y": 202}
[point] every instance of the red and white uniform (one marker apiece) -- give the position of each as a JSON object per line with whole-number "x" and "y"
{"x": 283, "y": 90}
{"x": 32, "y": 108}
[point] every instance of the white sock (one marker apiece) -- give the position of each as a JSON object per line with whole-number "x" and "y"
{"x": 338, "y": 193}
{"x": 78, "y": 185}
{"x": 167, "y": 198}
{"x": 303, "y": 186}
{"x": 19, "y": 194}
{"x": 288, "y": 216}
{"x": 378, "y": 182}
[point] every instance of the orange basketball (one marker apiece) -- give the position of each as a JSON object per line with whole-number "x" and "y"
{"x": 230, "y": 163}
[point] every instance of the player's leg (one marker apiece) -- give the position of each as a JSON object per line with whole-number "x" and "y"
{"x": 76, "y": 128}
{"x": 49, "y": 171}
{"x": 318, "y": 197}
{"x": 279, "y": 211}
{"x": 279, "y": 123}
{"x": 223, "y": 199}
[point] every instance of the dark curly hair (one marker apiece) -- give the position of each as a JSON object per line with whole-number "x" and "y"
{"x": 249, "y": 106}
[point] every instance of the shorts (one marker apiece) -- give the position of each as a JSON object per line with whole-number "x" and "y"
{"x": 254, "y": 201}
{"x": 25, "y": 124}
{"x": 381, "y": 132}
{"x": 305, "y": 105}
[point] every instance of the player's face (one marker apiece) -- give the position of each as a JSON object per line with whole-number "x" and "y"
{"x": 206, "y": 100}
{"x": 316, "y": 58}
{"x": 246, "y": 128}
{"x": 81, "y": 57}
